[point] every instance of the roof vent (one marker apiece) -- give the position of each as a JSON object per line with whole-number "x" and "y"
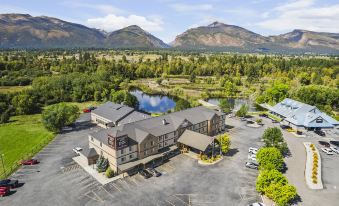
{"x": 164, "y": 122}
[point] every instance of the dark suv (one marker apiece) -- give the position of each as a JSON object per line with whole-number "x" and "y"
{"x": 9, "y": 183}
{"x": 153, "y": 172}
{"x": 320, "y": 133}
{"x": 145, "y": 174}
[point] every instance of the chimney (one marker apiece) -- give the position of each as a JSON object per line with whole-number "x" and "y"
{"x": 164, "y": 122}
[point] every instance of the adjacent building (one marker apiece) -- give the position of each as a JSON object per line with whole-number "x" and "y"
{"x": 111, "y": 115}
{"x": 130, "y": 145}
{"x": 302, "y": 116}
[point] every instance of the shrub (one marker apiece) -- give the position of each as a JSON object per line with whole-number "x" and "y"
{"x": 109, "y": 173}
{"x": 224, "y": 142}
{"x": 273, "y": 138}
{"x": 270, "y": 158}
{"x": 267, "y": 177}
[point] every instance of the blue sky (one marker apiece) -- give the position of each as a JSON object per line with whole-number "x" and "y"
{"x": 168, "y": 18}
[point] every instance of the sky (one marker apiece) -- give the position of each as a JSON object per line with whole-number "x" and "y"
{"x": 167, "y": 18}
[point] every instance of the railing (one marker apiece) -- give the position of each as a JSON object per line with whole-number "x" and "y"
{"x": 9, "y": 170}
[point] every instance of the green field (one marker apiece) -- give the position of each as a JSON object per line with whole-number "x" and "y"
{"x": 10, "y": 89}
{"x": 21, "y": 138}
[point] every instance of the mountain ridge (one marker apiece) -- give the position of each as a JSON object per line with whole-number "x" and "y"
{"x": 26, "y": 31}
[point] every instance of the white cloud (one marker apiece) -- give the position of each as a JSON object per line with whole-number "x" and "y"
{"x": 295, "y": 4}
{"x": 113, "y": 22}
{"x": 188, "y": 7}
{"x": 303, "y": 14}
{"x": 102, "y": 8}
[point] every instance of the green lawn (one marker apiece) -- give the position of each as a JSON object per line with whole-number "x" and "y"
{"x": 22, "y": 137}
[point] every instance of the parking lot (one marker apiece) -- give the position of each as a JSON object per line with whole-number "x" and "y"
{"x": 57, "y": 180}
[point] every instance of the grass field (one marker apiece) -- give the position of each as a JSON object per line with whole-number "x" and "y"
{"x": 84, "y": 105}
{"x": 22, "y": 137}
{"x": 10, "y": 89}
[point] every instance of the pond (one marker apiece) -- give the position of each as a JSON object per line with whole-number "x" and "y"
{"x": 153, "y": 103}
{"x": 235, "y": 102}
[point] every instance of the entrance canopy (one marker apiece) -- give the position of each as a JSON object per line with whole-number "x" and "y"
{"x": 195, "y": 140}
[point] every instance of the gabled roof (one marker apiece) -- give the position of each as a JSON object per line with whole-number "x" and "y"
{"x": 196, "y": 140}
{"x": 161, "y": 125}
{"x": 113, "y": 112}
{"x": 302, "y": 114}
{"x": 89, "y": 152}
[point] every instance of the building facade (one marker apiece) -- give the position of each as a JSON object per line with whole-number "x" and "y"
{"x": 136, "y": 142}
{"x": 112, "y": 115}
{"x": 302, "y": 116}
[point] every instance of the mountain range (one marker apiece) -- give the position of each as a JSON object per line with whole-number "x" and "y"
{"x": 25, "y": 31}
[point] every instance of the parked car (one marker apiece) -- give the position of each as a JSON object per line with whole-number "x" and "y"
{"x": 328, "y": 151}
{"x": 263, "y": 115}
{"x": 9, "y": 183}
{"x": 320, "y": 133}
{"x": 4, "y": 191}
{"x": 77, "y": 150}
{"x": 335, "y": 143}
{"x": 252, "y": 157}
{"x": 324, "y": 143}
{"x": 91, "y": 108}
{"x": 252, "y": 165}
{"x": 145, "y": 174}
{"x": 243, "y": 119}
{"x": 153, "y": 172}
{"x": 282, "y": 126}
{"x": 253, "y": 150}
{"x": 335, "y": 149}
{"x": 86, "y": 110}
{"x": 30, "y": 162}
{"x": 257, "y": 204}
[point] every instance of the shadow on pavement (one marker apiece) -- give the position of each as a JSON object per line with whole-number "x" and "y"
{"x": 232, "y": 152}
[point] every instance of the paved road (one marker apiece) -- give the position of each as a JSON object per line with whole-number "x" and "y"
{"x": 296, "y": 167}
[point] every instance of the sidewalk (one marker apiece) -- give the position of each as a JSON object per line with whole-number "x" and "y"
{"x": 100, "y": 177}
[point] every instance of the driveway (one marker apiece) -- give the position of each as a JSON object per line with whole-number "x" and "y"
{"x": 296, "y": 167}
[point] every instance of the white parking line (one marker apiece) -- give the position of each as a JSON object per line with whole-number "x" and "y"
{"x": 116, "y": 187}
{"x": 170, "y": 202}
{"x": 181, "y": 200}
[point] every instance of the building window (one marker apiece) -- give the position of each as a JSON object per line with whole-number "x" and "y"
{"x": 122, "y": 151}
{"x": 166, "y": 136}
{"x": 159, "y": 138}
{"x": 100, "y": 144}
{"x": 130, "y": 156}
{"x": 130, "y": 148}
{"x": 122, "y": 159}
{"x": 175, "y": 133}
{"x": 152, "y": 143}
{"x": 92, "y": 139}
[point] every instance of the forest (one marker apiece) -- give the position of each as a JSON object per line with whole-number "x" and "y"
{"x": 54, "y": 76}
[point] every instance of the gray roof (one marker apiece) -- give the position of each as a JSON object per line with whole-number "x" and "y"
{"x": 89, "y": 152}
{"x": 302, "y": 114}
{"x": 113, "y": 112}
{"x": 133, "y": 117}
{"x": 139, "y": 130}
{"x": 196, "y": 140}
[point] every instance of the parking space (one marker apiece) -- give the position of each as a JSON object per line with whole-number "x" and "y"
{"x": 183, "y": 182}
